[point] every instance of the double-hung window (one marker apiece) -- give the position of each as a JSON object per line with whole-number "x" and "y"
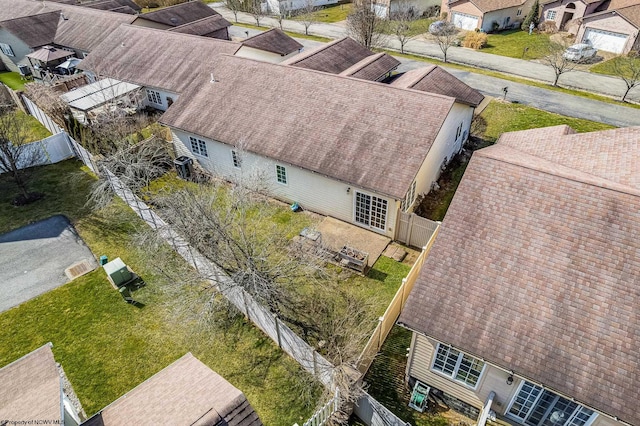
{"x": 281, "y": 174}
{"x": 154, "y": 97}
{"x": 551, "y": 15}
{"x": 235, "y": 157}
{"x": 198, "y": 147}
{"x": 6, "y": 49}
{"x": 536, "y": 406}
{"x": 459, "y": 366}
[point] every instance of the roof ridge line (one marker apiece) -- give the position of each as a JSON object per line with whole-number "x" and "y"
{"x": 559, "y": 170}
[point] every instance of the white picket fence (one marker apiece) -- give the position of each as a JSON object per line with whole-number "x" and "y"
{"x": 321, "y": 417}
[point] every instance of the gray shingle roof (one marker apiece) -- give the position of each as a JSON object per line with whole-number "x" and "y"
{"x": 372, "y": 68}
{"x": 185, "y": 393}
{"x": 180, "y": 14}
{"x": 274, "y": 41}
{"x": 491, "y": 5}
{"x": 30, "y": 388}
{"x": 36, "y": 30}
{"x": 156, "y": 58}
{"x": 434, "y": 79}
{"x": 536, "y": 266}
{"x": 333, "y": 57}
{"x": 203, "y": 27}
{"x": 364, "y": 133}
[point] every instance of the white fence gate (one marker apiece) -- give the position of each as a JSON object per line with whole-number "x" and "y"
{"x": 414, "y": 230}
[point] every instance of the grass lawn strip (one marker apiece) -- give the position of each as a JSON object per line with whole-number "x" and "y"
{"x": 12, "y": 79}
{"x": 106, "y": 346}
{"x": 517, "y": 44}
{"x": 330, "y": 14}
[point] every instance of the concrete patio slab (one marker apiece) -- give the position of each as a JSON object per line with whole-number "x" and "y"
{"x": 33, "y": 259}
{"x": 336, "y": 234}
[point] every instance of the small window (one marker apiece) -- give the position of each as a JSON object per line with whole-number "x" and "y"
{"x": 154, "y": 97}
{"x": 237, "y": 161}
{"x": 551, "y": 15}
{"x": 281, "y": 174}
{"x": 198, "y": 147}
{"x": 6, "y": 49}
{"x": 519, "y": 12}
{"x": 457, "y": 365}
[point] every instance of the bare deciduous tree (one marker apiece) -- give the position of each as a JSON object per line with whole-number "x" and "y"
{"x": 402, "y": 23}
{"x": 627, "y": 68}
{"x": 48, "y": 99}
{"x": 555, "y": 58}
{"x": 307, "y": 15}
{"x": 365, "y": 26}
{"x": 234, "y": 6}
{"x": 282, "y": 13}
{"x": 446, "y": 35}
{"x": 254, "y": 8}
{"x": 16, "y": 156}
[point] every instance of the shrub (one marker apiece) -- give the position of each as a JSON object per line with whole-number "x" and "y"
{"x": 548, "y": 27}
{"x": 475, "y": 40}
{"x": 495, "y": 26}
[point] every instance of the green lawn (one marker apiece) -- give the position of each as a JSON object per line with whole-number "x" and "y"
{"x": 335, "y": 13}
{"x": 106, "y": 346}
{"x": 504, "y": 117}
{"x": 605, "y": 67}
{"x": 416, "y": 27}
{"x": 292, "y": 34}
{"x": 12, "y": 79}
{"x": 517, "y": 44}
{"x": 34, "y": 130}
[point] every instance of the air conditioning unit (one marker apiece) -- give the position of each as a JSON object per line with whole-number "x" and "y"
{"x": 118, "y": 273}
{"x": 184, "y": 166}
{"x": 24, "y": 70}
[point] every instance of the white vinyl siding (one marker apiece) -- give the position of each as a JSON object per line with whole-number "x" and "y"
{"x": 459, "y": 366}
{"x": 312, "y": 191}
{"x": 198, "y": 147}
{"x": 535, "y": 406}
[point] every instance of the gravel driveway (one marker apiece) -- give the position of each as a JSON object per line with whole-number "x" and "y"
{"x": 33, "y": 259}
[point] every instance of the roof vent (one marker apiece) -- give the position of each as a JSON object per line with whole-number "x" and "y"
{"x": 213, "y": 79}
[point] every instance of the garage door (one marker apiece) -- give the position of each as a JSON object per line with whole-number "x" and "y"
{"x": 465, "y": 22}
{"x": 606, "y": 40}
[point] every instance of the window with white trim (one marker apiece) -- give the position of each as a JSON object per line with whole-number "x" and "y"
{"x": 409, "y": 198}
{"x": 154, "y": 97}
{"x": 551, "y": 15}
{"x": 281, "y": 174}
{"x": 6, "y": 49}
{"x": 535, "y": 406}
{"x": 459, "y": 366}
{"x": 235, "y": 157}
{"x": 198, "y": 146}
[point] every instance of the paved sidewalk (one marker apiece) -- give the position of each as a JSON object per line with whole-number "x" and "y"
{"x": 581, "y": 80}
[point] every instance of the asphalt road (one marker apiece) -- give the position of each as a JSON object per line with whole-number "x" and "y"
{"x": 548, "y": 100}
{"x": 33, "y": 259}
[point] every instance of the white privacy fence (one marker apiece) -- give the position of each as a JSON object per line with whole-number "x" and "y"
{"x": 262, "y": 317}
{"x": 47, "y": 151}
{"x": 41, "y": 116}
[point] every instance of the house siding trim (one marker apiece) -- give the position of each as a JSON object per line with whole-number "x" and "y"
{"x": 313, "y": 191}
{"x": 493, "y": 378}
